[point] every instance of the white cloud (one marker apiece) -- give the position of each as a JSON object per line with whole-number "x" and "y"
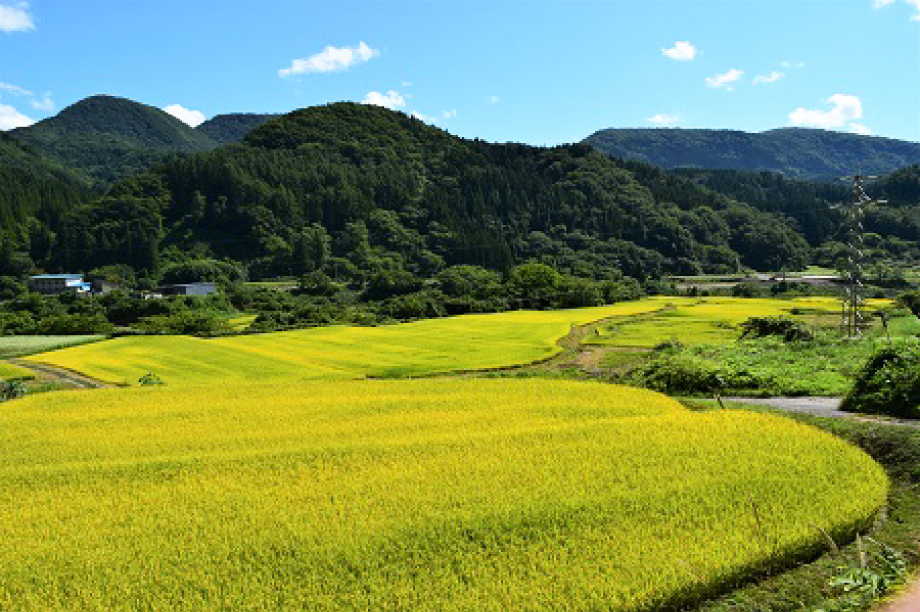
{"x": 11, "y": 118}
{"x": 45, "y": 104}
{"x": 844, "y": 108}
{"x": 725, "y": 80}
{"x": 16, "y": 90}
{"x": 407, "y": 83}
{"x": 859, "y": 128}
{"x": 190, "y": 117}
{"x": 493, "y": 99}
{"x": 916, "y": 5}
{"x": 449, "y": 114}
{"x": 682, "y": 51}
{"x": 422, "y": 117}
{"x": 768, "y": 78}
{"x": 664, "y": 119}
{"x": 391, "y": 99}
{"x": 16, "y": 18}
{"x": 788, "y": 64}
{"x": 881, "y": 3}
{"x": 330, "y": 59}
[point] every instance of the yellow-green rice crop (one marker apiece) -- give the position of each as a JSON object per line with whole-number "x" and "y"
{"x": 11, "y": 370}
{"x": 436, "y": 345}
{"x": 412, "y": 495}
{"x": 711, "y": 320}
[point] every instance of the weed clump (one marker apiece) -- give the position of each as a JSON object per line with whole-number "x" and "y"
{"x": 788, "y": 329}
{"x": 888, "y": 384}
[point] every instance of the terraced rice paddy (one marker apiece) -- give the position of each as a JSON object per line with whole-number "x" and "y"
{"x": 714, "y": 320}
{"x": 471, "y": 342}
{"x": 434, "y": 494}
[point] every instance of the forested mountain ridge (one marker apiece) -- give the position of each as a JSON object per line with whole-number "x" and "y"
{"x": 231, "y": 128}
{"x": 105, "y": 138}
{"x": 797, "y": 153}
{"x": 360, "y": 190}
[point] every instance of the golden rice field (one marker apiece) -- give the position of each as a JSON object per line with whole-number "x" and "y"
{"x": 713, "y": 320}
{"x": 11, "y": 370}
{"x": 467, "y": 342}
{"x": 431, "y": 494}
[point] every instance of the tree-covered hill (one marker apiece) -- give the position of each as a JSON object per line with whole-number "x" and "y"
{"x": 233, "y": 127}
{"x": 361, "y": 192}
{"x": 795, "y": 152}
{"x": 35, "y": 194}
{"x": 105, "y": 138}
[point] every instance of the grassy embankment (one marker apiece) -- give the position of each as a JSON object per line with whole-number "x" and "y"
{"x": 442, "y": 494}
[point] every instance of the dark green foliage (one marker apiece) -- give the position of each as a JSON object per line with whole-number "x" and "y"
{"x": 105, "y": 138}
{"x": 201, "y": 270}
{"x": 232, "y": 128}
{"x": 796, "y": 152}
{"x": 790, "y": 330}
{"x": 12, "y": 389}
{"x": 888, "y": 384}
{"x": 186, "y": 322}
{"x": 912, "y": 302}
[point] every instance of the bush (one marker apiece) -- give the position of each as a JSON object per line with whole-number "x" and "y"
{"x": 683, "y": 373}
{"x": 789, "y": 329}
{"x": 888, "y": 384}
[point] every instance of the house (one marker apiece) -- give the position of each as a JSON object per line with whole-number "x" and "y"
{"x": 187, "y": 289}
{"x": 52, "y": 284}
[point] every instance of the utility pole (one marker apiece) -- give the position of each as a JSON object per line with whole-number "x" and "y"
{"x": 852, "y": 319}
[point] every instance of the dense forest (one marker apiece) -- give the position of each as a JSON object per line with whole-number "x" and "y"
{"x": 381, "y": 202}
{"x": 797, "y": 153}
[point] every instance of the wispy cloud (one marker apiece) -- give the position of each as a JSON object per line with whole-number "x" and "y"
{"x": 449, "y": 114}
{"x": 493, "y": 99}
{"x": 45, "y": 104}
{"x": 916, "y": 5}
{"x": 682, "y": 51}
{"x": 330, "y": 59}
{"x": 881, "y": 3}
{"x": 788, "y": 64}
{"x": 859, "y": 128}
{"x": 422, "y": 117}
{"x": 725, "y": 80}
{"x": 391, "y": 99}
{"x": 16, "y": 90}
{"x": 16, "y": 18}
{"x": 11, "y": 118}
{"x": 664, "y": 119}
{"x": 189, "y": 117}
{"x": 768, "y": 78}
{"x": 844, "y": 108}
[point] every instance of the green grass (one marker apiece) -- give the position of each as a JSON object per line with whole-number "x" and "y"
{"x": 18, "y": 346}
{"x": 423, "y": 495}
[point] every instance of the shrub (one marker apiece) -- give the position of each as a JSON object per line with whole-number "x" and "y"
{"x": 789, "y": 329}
{"x": 888, "y": 384}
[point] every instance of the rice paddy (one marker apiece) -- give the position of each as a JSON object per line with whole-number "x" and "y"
{"x": 433, "y": 494}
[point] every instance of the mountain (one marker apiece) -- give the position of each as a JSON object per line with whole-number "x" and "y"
{"x": 795, "y": 152}
{"x": 232, "y": 128}
{"x": 105, "y": 138}
{"x": 360, "y": 191}
{"x": 35, "y": 194}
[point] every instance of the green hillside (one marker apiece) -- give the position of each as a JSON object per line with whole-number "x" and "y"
{"x": 232, "y": 128}
{"x": 106, "y": 138}
{"x": 796, "y": 152}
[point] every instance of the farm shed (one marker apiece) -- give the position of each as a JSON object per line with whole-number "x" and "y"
{"x": 187, "y": 289}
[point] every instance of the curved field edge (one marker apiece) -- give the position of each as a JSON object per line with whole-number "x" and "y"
{"x": 463, "y": 343}
{"x": 408, "y": 495}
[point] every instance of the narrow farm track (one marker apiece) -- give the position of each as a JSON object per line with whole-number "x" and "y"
{"x": 68, "y": 378}
{"x": 819, "y": 406}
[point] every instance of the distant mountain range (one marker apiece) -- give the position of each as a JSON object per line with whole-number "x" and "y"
{"x": 104, "y": 138}
{"x": 797, "y": 153}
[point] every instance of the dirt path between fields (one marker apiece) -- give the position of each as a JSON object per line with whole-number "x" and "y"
{"x": 820, "y": 406}
{"x": 69, "y": 378}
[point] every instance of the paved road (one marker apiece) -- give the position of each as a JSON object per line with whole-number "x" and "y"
{"x": 819, "y": 406}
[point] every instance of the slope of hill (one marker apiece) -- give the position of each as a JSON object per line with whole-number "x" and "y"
{"x": 365, "y": 193}
{"x": 796, "y": 152}
{"x": 232, "y": 128}
{"x": 35, "y": 193}
{"x": 106, "y": 138}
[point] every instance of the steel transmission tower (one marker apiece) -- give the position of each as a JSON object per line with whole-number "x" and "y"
{"x": 852, "y": 318}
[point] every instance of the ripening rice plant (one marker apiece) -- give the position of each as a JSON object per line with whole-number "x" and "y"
{"x": 470, "y": 342}
{"x": 407, "y": 495}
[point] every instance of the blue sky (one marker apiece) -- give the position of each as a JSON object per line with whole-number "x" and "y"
{"x": 540, "y": 71}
